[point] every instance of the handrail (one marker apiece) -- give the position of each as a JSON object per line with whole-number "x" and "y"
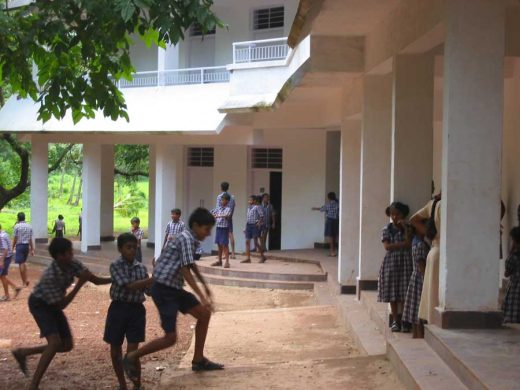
{"x": 284, "y": 39}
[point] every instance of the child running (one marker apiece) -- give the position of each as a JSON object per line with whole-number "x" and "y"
{"x": 138, "y": 234}
{"x": 23, "y": 245}
{"x": 412, "y": 300}
{"x": 175, "y": 265}
{"x": 6, "y": 255}
{"x": 253, "y": 226}
{"x": 175, "y": 227}
{"x": 126, "y": 315}
{"x": 511, "y": 305}
{"x": 396, "y": 268}
{"x": 47, "y": 302}
{"x": 222, "y": 215}
{"x": 59, "y": 227}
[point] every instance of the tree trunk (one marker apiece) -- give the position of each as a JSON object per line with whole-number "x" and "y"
{"x": 72, "y": 190}
{"x": 60, "y": 191}
{"x": 78, "y": 196}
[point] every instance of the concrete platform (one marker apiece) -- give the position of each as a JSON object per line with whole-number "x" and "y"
{"x": 482, "y": 359}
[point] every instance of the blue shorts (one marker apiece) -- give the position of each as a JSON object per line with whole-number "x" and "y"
{"x": 22, "y": 252}
{"x": 252, "y": 231}
{"x": 125, "y": 319}
{"x": 4, "y": 270}
{"x": 222, "y": 236}
{"x": 139, "y": 255}
{"x": 49, "y": 318}
{"x": 169, "y": 301}
{"x": 331, "y": 227}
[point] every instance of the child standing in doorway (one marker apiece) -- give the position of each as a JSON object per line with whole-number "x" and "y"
{"x": 222, "y": 215}
{"x": 138, "y": 234}
{"x": 59, "y": 227}
{"x": 253, "y": 227}
{"x": 412, "y": 300}
{"x": 331, "y": 210}
{"x": 511, "y": 305}
{"x": 396, "y": 268}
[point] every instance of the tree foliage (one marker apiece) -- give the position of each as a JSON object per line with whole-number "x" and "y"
{"x": 81, "y": 47}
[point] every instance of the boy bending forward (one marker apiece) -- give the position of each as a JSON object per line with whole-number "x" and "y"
{"x": 175, "y": 265}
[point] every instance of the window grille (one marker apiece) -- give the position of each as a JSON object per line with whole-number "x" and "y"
{"x": 200, "y": 157}
{"x": 267, "y": 158}
{"x": 196, "y": 31}
{"x": 266, "y": 18}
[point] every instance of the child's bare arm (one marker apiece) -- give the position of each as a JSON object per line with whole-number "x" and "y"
{"x": 139, "y": 284}
{"x": 98, "y": 280}
{"x": 188, "y": 277}
{"x": 201, "y": 279}
{"x": 82, "y": 279}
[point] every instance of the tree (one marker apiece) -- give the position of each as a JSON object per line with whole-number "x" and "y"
{"x": 81, "y": 48}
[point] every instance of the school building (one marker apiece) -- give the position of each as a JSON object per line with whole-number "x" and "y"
{"x": 376, "y": 100}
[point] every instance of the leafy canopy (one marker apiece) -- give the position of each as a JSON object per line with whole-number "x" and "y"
{"x": 80, "y": 48}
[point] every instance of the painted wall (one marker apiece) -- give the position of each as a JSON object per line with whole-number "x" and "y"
{"x": 143, "y": 58}
{"x": 333, "y": 161}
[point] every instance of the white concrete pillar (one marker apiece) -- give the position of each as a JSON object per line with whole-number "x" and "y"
{"x": 350, "y": 157}
{"x": 151, "y": 198}
{"x": 161, "y": 65}
{"x": 412, "y": 130}
{"x": 107, "y": 193}
{"x": 375, "y": 176}
{"x": 91, "y": 222}
{"x": 231, "y": 165}
{"x": 39, "y": 188}
{"x": 472, "y": 141}
{"x": 168, "y": 187}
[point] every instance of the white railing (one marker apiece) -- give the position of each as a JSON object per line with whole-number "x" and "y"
{"x": 262, "y": 50}
{"x": 209, "y": 75}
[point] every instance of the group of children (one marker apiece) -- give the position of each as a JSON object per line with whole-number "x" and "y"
{"x": 126, "y": 316}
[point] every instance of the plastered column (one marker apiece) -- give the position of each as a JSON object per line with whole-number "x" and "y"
{"x": 350, "y": 155}
{"x": 472, "y": 141}
{"x": 91, "y": 221}
{"x": 412, "y": 130}
{"x": 375, "y": 176}
{"x": 107, "y": 193}
{"x": 39, "y": 188}
{"x": 151, "y": 198}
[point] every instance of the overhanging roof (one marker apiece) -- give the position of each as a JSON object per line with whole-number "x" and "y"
{"x": 186, "y": 108}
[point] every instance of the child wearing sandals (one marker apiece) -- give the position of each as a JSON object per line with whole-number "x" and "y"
{"x": 223, "y": 216}
{"x": 6, "y": 255}
{"x": 420, "y": 251}
{"x": 396, "y": 268}
{"x": 511, "y": 305}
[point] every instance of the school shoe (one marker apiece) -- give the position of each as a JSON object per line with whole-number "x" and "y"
{"x": 395, "y": 327}
{"x": 206, "y": 365}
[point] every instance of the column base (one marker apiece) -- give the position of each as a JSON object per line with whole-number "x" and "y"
{"x": 348, "y": 289}
{"x": 93, "y": 247}
{"x": 150, "y": 244}
{"x": 365, "y": 285}
{"x": 106, "y": 238}
{"x": 41, "y": 240}
{"x": 451, "y": 319}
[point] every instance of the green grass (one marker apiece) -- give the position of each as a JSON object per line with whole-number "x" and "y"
{"x": 58, "y": 205}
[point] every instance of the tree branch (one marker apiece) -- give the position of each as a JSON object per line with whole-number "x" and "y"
{"x": 57, "y": 163}
{"x": 118, "y": 171}
{"x": 23, "y": 183}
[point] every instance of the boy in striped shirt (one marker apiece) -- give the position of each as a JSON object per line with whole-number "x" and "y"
{"x": 223, "y": 216}
{"x": 253, "y": 227}
{"x": 138, "y": 234}
{"x": 175, "y": 227}
{"x": 23, "y": 245}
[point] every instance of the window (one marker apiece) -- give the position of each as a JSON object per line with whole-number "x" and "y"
{"x": 266, "y": 18}
{"x": 267, "y": 158}
{"x": 196, "y": 31}
{"x": 200, "y": 157}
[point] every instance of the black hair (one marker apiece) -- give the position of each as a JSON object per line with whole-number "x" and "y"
{"x": 515, "y": 234}
{"x": 124, "y": 238}
{"x": 176, "y": 211}
{"x": 58, "y": 246}
{"x": 60, "y": 217}
{"x": 224, "y": 186}
{"x": 135, "y": 220}
{"x": 387, "y": 211}
{"x": 201, "y": 217}
{"x": 265, "y": 194}
{"x": 252, "y": 197}
{"x": 20, "y": 216}
{"x": 226, "y": 196}
{"x": 403, "y": 209}
{"x": 332, "y": 195}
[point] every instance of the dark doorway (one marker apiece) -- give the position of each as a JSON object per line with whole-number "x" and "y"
{"x": 275, "y": 191}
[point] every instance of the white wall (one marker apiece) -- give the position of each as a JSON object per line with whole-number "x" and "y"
{"x": 143, "y": 58}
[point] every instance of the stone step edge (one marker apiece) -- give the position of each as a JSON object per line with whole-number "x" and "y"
{"x": 262, "y": 275}
{"x": 257, "y": 283}
{"x": 463, "y": 372}
{"x": 419, "y": 367}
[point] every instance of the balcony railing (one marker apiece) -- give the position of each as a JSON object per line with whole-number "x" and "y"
{"x": 209, "y": 75}
{"x": 262, "y": 50}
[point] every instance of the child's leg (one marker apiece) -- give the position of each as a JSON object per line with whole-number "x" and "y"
{"x": 116, "y": 353}
{"x": 232, "y": 242}
{"x": 260, "y": 249}
{"x": 330, "y": 241}
{"x": 203, "y": 316}
{"x": 248, "y": 252}
{"x": 130, "y": 348}
{"x": 225, "y": 248}
{"x": 23, "y": 274}
{"x": 393, "y": 308}
{"x": 156, "y": 345}
{"x": 220, "y": 249}
{"x": 5, "y": 285}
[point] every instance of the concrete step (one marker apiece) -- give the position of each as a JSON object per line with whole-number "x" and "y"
{"x": 287, "y": 258}
{"x": 468, "y": 376}
{"x": 377, "y": 311}
{"x": 419, "y": 367}
{"x": 258, "y": 283}
{"x": 244, "y": 274}
{"x": 95, "y": 267}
